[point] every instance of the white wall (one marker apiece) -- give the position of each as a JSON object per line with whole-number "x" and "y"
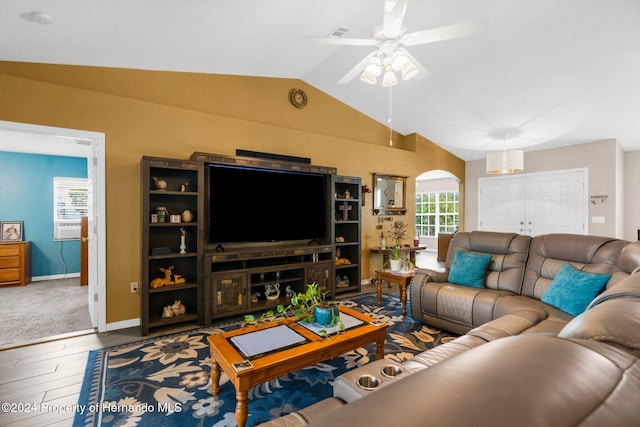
{"x": 604, "y": 159}
{"x": 631, "y": 195}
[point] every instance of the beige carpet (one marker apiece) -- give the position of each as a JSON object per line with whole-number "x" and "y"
{"x": 42, "y": 309}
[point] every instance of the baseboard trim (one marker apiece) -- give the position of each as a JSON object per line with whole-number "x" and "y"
{"x": 123, "y": 324}
{"x": 54, "y": 277}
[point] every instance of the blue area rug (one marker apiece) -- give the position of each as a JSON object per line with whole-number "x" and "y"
{"x": 165, "y": 381}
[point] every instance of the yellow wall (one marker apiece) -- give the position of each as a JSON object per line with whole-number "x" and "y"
{"x": 168, "y": 114}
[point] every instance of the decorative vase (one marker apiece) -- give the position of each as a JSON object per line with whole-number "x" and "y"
{"x": 396, "y": 264}
{"x": 183, "y": 245}
{"x": 323, "y": 315}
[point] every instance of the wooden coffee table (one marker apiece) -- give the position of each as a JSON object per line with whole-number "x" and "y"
{"x": 281, "y": 362}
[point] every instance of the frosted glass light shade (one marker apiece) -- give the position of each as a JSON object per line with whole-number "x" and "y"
{"x": 409, "y": 71}
{"x": 399, "y": 60}
{"x": 368, "y": 78}
{"x": 389, "y": 78}
{"x": 374, "y": 67}
{"x": 511, "y": 161}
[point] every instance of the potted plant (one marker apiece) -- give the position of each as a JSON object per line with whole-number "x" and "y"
{"x": 394, "y": 259}
{"x": 309, "y": 306}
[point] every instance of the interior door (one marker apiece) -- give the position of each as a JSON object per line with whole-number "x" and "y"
{"x": 84, "y": 251}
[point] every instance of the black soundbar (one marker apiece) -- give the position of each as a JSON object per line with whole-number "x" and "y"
{"x": 271, "y": 156}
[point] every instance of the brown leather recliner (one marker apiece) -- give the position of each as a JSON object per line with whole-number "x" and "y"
{"x": 587, "y": 375}
{"x": 528, "y": 366}
{"x": 520, "y": 271}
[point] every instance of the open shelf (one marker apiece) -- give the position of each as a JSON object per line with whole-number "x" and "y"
{"x": 161, "y": 240}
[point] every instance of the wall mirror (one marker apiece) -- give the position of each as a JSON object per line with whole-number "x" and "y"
{"x": 389, "y": 193}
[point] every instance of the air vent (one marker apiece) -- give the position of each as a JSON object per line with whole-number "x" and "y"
{"x": 339, "y": 32}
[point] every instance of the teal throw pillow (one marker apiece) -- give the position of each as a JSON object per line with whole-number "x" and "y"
{"x": 572, "y": 290}
{"x": 469, "y": 268}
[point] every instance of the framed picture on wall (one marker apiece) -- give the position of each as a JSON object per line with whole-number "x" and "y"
{"x": 11, "y": 231}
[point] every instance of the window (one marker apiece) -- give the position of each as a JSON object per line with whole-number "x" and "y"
{"x": 437, "y": 212}
{"x": 70, "y": 203}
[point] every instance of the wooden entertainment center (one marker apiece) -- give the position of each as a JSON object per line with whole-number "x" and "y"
{"x": 216, "y": 281}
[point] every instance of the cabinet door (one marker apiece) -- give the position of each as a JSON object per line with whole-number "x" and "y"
{"x": 320, "y": 274}
{"x": 229, "y": 292}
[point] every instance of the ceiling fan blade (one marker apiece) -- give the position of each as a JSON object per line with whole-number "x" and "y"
{"x": 441, "y": 33}
{"x": 339, "y": 41}
{"x": 357, "y": 70}
{"x": 424, "y": 73}
{"x": 394, "y": 11}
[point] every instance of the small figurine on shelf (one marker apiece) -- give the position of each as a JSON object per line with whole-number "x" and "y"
{"x": 340, "y": 283}
{"x": 184, "y": 187}
{"x": 254, "y": 296}
{"x": 187, "y": 216}
{"x": 173, "y": 310}
{"x": 160, "y": 184}
{"x": 162, "y": 213}
{"x": 163, "y": 281}
{"x": 272, "y": 291}
{"x": 340, "y": 260}
{"x": 288, "y": 291}
{"x": 178, "y": 308}
{"x": 167, "y": 312}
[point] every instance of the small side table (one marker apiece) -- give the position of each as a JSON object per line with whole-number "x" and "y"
{"x": 402, "y": 278}
{"x": 411, "y": 250}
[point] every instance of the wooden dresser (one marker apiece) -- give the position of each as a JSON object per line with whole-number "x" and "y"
{"x": 15, "y": 263}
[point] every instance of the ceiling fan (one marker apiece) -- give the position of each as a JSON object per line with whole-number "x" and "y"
{"x": 390, "y": 40}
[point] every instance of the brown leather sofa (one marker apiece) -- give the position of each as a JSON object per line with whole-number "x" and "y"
{"x": 521, "y": 270}
{"x": 519, "y": 361}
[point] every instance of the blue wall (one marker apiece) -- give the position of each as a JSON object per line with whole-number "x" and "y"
{"x": 26, "y": 194}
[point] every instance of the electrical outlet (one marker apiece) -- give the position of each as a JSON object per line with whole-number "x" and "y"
{"x": 134, "y": 287}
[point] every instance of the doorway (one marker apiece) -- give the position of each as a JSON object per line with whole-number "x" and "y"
{"x": 36, "y": 139}
{"x": 437, "y": 212}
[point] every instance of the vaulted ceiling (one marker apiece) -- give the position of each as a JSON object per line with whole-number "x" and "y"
{"x": 552, "y": 72}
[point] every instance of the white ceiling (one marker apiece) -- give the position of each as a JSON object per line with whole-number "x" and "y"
{"x": 562, "y": 72}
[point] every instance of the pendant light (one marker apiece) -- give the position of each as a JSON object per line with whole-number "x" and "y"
{"x": 505, "y": 161}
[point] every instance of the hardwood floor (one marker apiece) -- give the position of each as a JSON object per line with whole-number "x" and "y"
{"x": 41, "y": 382}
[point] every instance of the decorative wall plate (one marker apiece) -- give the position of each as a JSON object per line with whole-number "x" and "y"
{"x": 298, "y": 98}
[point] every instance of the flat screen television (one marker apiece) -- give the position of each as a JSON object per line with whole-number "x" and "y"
{"x": 251, "y": 204}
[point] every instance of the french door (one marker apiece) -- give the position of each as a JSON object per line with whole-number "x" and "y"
{"x": 532, "y": 204}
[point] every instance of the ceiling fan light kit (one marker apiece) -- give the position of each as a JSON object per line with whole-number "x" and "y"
{"x": 390, "y": 62}
{"x": 391, "y": 57}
